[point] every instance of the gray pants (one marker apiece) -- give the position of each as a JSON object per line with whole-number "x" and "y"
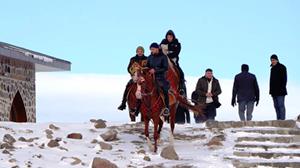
{"x": 248, "y": 106}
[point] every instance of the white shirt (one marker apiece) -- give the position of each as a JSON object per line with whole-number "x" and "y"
{"x": 209, "y": 99}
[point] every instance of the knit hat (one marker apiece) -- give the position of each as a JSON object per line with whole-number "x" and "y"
{"x": 154, "y": 45}
{"x": 274, "y": 56}
{"x": 140, "y": 48}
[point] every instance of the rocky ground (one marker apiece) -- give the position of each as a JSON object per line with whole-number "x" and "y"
{"x": 101, "y": 144}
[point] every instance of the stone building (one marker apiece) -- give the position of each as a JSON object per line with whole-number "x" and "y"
{"x": 17, "y": 80}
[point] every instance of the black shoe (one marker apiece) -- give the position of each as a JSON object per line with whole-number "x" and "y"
{"x": 166, "y": 112}
{"x": 122, "y": 106}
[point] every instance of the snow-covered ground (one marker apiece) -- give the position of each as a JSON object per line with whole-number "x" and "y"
{"x": 189, "y": 144}
{"x": 130, "y": 147}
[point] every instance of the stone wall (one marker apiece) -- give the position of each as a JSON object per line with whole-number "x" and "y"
{"x": 17, "y": 76}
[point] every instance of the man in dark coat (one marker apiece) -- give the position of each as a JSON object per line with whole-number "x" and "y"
{"x": 278, "y": 81}
{"x": 139, "y": 59}
{"x": 246, "y": 89}
{"x": 172, "y": 47}
{"x": 208, "y": 89}
{"x": 158, "y": 64}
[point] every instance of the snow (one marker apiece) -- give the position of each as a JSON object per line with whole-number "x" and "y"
{"x": 124, "y": 153}
{"x": 189, "y": 145}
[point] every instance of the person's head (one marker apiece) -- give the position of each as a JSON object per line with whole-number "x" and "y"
{"x": 170, "y": 36}
{"x": 209, "y": 73}
{"x": 154, "y": 48}
{"x": 140, "y": 51}
{"x": 245, "y": 68}
{"x": 274, "y": 59}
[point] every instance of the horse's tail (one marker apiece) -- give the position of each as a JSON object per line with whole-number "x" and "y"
{"x": 198, "y": 109}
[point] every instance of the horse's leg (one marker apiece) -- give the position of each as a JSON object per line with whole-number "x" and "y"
{"x": 146, "y": 121}
{"x": 160, "y": 125}
{"x": 132, "y": 115}
{"x": 156, "y": 121}
{"x": 172, "y": 122}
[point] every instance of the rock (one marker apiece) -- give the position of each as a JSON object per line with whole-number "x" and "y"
{"x": 6, "y": 152}
{"x": 53, "y": 143}
{"x": 6, "y": 146}
{"x": 94, "y": 141}
{"x": 75, "y": 136}
{"x": 9, "y": 139}
{"x": 22, "y": 139}
{"x": 73, "y": 160}
{"x": 216, "y": 141}
{"x": 142, "y": 151}
{"x": 105, "y": 146}
{"x": 169, "y": 153}
{"x": 147, "y": 158}
{"x": 102, "y": 163}
{"x": 53, "y": 127}
{"x": 110, "y": 135}
{"x": 100, "y": 124}
{"x": 49, "y": 136}
{"x": 48, "y": 132}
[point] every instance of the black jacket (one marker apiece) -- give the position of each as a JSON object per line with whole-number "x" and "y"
{"x": 245, "y": 87}
{"x": 141, "y": 60}
{"x": 174, "y": 47}
{"x": 278, "y": 80}
{"x": 202, "y": 87}
{"x": 160, "y": 64}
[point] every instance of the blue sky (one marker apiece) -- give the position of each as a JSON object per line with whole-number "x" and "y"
{"x": 100, "y": 36}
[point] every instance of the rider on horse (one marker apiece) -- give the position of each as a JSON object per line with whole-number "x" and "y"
{"x": 158, "y": 64}
{"x": 139, "y": 59}
{"x": 171, "y": 47}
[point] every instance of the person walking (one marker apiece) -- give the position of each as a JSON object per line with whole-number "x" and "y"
{"x": 246, "y": 91}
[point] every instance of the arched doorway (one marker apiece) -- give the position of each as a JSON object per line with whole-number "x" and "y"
{"x": 17, "y": 111}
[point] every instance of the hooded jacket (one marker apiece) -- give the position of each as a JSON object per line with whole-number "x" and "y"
{"x": 174, "y": 46}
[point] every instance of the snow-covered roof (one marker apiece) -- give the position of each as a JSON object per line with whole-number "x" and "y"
{"x": 42, "y": 62}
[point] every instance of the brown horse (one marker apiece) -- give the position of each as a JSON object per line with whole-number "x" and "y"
{"x": 133, "y": 103}
{"x": 153, "y": 104}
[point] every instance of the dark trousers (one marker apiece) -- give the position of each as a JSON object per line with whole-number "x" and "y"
{"x": 182, "y": 115}
{"x": 279, "y": 107}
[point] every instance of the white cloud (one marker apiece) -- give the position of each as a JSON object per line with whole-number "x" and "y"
{"x": 79, "y": 97}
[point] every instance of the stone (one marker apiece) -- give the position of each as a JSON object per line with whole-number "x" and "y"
{"x": 53, "y": 127}
{"x": 110, "y": 135}
{"x": 48, "y": 132}
{"x": 142, "y": 151}
{"x": 6, "y": 146}
{"x": 102, "y": 163}
{"x": 100, "y": 124}
{"x": 53, "y": 143}
{"x": 9, "y": 139}
{"x": 216, "y": 141}
{"x": 169, "y": 153}
{"x": 75, "y": 136}
{"x": 73, "y": 160}
{"x": 147, "y": 158}
{"x": 94, "y": 141}
{"x": 22, "y": 139}
{"x": 105, "y": 146}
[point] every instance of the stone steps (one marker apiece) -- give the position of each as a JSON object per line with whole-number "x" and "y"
{"x": 266, "y": 147}
{"x": 291, "y": 139}
{"x": 266, "y": 155}
{"x": 240, "y": 124}
{"x": 263, "y": 143}
{"x": 241, "y": 164}
{"x": 272, "y": 131}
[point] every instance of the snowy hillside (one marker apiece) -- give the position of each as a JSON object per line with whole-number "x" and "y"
{"x": 51, "y": 145}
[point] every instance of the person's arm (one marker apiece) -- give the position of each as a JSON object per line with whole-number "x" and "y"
{"x": 234, "y": 92}
{"x": 129, "y": 66}
{"x": 284, "y": 76}
{"x": 256, "y": 91}
{"x": 199, "y": 89}
{"x": 177, "y": 50}
{"x": 217, "y": 90}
